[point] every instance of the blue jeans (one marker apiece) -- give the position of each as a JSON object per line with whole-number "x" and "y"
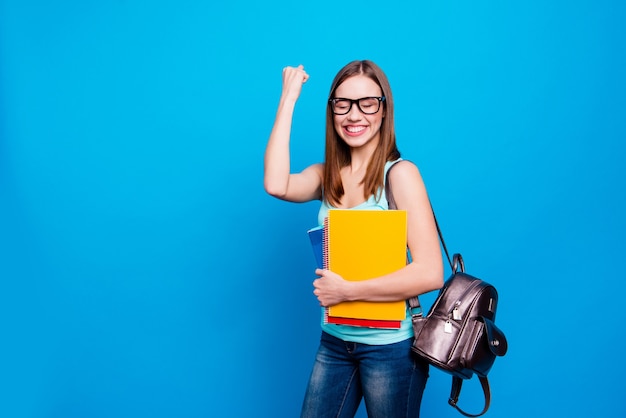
{"x": 388, "y": 377}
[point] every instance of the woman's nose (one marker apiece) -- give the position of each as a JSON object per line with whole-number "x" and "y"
{"x": 355, "y": 112}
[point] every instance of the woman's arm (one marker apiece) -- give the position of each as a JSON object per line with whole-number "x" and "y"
{"x": 423, "y": 274}
{"x": 278, "y": 179}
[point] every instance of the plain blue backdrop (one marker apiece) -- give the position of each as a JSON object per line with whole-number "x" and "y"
{"x": 144, "y": 272}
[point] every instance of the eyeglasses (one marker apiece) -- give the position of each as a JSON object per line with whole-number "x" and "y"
{"x": 367, "y": 105}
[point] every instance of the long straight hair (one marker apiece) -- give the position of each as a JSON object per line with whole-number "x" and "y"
{"x": 337, "y": 153}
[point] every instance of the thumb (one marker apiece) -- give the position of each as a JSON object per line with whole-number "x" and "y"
{"x": 305, "y": 76}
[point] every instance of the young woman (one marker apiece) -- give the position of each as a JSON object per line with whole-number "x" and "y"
{"x": 355, "y": 363}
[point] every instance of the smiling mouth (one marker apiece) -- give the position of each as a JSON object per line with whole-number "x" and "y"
{"x": 355, "y": 129}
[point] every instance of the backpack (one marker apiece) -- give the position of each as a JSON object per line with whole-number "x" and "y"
{"x": 459, "y": 336}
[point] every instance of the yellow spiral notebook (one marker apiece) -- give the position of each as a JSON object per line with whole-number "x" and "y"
{"x": 364, "y": 244}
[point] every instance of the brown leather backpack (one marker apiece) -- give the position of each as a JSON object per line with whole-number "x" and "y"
{"x": 459, "y": 335}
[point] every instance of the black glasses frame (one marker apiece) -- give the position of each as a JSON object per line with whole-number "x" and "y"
{"x": 358, "y": 104}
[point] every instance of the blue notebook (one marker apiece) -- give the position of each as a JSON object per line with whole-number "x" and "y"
{"x": 316, "y": 235}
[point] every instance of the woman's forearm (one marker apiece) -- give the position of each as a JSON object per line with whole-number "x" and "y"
{"x": 277, "y": 158}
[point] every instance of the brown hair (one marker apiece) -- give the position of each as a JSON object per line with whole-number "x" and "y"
{"x": 338, "y": 153}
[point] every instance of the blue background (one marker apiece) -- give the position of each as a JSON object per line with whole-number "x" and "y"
{"x": 145, "y": 273}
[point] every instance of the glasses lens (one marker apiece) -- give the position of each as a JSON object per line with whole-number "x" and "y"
{"x": 341, "y": 107}
{"x": 369, "y": 105}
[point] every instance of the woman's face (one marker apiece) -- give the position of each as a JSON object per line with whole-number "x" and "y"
{"x": 355, "y": 127}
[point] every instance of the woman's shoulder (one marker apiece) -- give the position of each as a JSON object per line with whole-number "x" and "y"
{"x": 404, "y": 172}
{"x": 401, "y": 167}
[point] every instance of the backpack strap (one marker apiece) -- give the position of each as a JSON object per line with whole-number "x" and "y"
{"x": 392, "y": 205}
{"x": 414, "y": 303}
{"x": 457, "y": 383}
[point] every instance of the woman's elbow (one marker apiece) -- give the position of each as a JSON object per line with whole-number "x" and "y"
{"x": 435, "y": 278}
{"x": 437, "y": 283}
{"x": 275, "y": 190}
{"x": 430, "y": 279}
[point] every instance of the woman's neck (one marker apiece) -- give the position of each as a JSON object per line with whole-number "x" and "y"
{"x": 360, "y": 157}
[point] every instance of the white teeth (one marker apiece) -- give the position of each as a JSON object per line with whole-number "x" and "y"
{"x": 355, "y": 129}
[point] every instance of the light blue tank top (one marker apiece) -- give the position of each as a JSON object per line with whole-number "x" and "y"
{"x": 372, "y": 336}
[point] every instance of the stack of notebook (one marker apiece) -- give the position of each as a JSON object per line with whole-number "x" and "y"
{"x": 360, "y": 245}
